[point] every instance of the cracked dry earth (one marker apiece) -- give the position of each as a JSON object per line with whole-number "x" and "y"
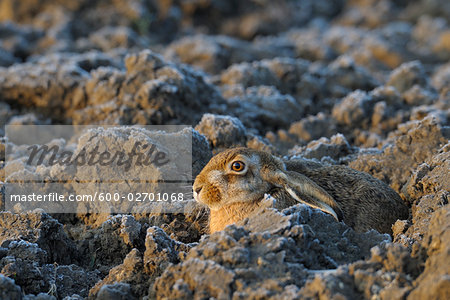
{"x": 364, "y": 84}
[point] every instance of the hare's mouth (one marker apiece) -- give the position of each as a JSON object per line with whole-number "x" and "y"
{"x": 196, "y": 197}
{"x": 208, "y": 195}
{"x": 199, "y": 199}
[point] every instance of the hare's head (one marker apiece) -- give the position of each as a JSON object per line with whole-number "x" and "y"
{"x": 243, "y": 175}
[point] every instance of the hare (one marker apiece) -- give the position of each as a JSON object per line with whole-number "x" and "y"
{"x": 235, "y": 181}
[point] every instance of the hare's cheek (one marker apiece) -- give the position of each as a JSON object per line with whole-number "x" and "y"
{"x": 213, "y": 195}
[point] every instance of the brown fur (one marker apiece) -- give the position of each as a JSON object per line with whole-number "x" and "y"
{"x": 357, "y": 198}
{"x": 229, "y": 214}
{"x": 365, "y": 201}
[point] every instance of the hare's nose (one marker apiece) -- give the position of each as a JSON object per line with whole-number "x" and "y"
{"x": 198, "y": 189}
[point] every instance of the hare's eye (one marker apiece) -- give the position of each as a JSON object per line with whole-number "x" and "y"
{"x": 237, "y": 166}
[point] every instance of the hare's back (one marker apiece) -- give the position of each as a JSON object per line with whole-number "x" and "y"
{"x": 365, "y": 201}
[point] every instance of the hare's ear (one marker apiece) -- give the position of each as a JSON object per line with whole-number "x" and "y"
{"x": 306, "y": 191}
